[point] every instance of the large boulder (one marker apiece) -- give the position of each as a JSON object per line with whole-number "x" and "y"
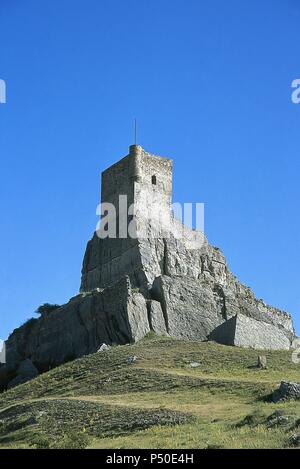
{"x": 24, "y": 372}
{"x": 244, "y": 331}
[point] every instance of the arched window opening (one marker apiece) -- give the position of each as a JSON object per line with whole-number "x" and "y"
{"x": 154, "y": 180}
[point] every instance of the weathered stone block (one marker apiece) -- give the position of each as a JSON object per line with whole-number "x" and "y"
{"x": 156, "y": 318}
{"x": 244, "y": 331}
{"x": 190, "y": 309}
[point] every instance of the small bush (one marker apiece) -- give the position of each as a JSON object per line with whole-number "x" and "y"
{"x": 46, "y": 308}
{"x": 40, "y": 442}
{"x": 72, "y": 440}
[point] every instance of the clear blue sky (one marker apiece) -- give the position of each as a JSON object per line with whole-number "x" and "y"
{"x": 210, "y": 83}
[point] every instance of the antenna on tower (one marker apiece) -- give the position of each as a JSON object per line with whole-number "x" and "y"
{"x": 135, "y": 131}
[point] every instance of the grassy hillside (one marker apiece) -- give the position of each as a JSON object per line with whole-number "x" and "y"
{"x": 158, "y": 401}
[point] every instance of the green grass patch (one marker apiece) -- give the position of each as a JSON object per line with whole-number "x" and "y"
{"x": 159, "y": 401}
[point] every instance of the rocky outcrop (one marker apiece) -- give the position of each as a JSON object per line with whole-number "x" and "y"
{"x": 116, "y": 315}
{"x": 196, "y": 294}
{"x": 287, "y": 391}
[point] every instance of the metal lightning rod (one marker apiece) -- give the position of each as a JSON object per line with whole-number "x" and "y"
{"x": 135, "y": 131}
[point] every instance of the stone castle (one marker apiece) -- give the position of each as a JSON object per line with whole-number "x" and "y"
{"x": 130, "y": 287}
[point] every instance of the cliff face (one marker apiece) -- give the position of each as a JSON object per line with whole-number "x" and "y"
{"x": 111, "y": 316}
{"x": 195, "y": 289}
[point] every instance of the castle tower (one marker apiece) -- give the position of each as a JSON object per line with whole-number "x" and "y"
{"x": 138, "y": 172}
{"x": 145, "y": 179}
